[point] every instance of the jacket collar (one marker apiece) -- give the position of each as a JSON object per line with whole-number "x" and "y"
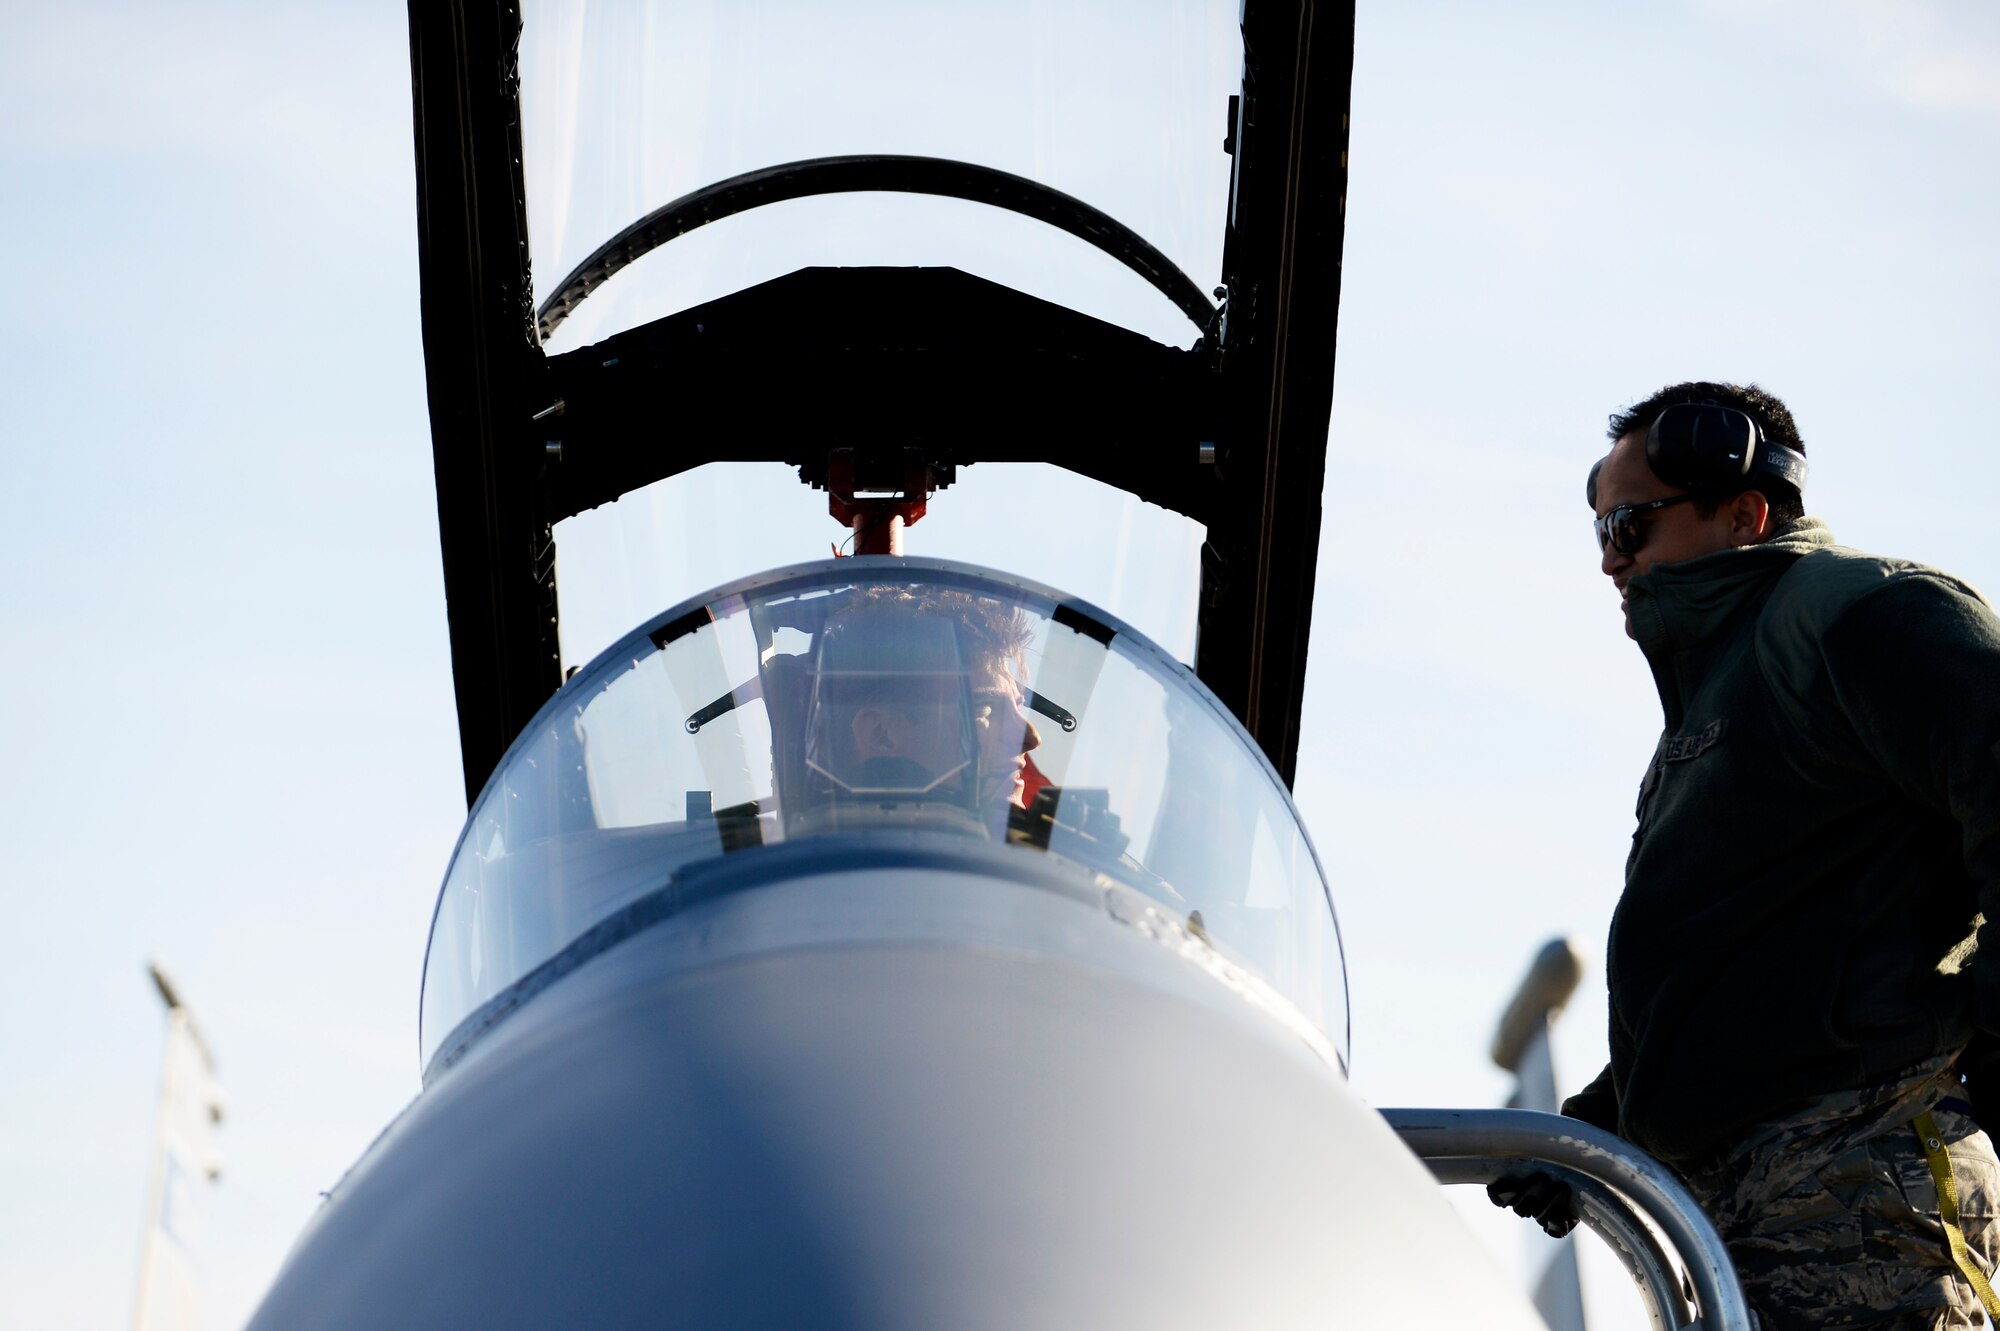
{"x": 1683, "y": 614}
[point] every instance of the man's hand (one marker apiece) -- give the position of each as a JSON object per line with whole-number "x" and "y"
{"x": 1535, "y": 1196}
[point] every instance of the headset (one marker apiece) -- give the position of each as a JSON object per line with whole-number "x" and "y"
{"x": 1712, "y": 449}
{"x": 1707, "y": 446}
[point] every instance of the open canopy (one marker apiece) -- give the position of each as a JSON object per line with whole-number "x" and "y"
{"x": 878, "y": 244}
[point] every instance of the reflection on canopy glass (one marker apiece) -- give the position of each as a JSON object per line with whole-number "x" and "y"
{"x": 861, "y": 697}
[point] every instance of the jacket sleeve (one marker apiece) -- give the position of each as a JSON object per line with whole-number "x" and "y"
{"x": 1597, "y": 1103}
{"x": 1915, "y": 665}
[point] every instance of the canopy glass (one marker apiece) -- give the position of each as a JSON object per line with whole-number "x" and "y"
{"x": 1122, "y": 104}
{"x": 877, "y": 697}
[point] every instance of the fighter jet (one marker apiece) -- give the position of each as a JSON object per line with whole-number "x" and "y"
{"x": 886, "y": 941}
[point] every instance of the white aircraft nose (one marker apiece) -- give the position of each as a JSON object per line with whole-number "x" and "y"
{"x": 1013, "y": 1110}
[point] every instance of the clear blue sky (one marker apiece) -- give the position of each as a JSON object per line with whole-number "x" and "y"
{"x": 233, "y": 743}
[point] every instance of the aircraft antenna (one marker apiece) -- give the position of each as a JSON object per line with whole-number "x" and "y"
{"x": 185, "y": 1164}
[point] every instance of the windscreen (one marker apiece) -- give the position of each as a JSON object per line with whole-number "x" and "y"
{"x": 1122, "y": 104}
{"x": 873, "y": 696}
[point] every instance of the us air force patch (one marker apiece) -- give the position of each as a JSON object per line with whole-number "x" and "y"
{"x": 1683, "y": 747}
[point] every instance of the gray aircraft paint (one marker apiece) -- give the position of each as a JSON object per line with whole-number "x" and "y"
{"x": 890, "y": 1098}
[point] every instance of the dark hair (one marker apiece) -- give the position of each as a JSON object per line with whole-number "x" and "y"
{"x": 1771, "y": 415}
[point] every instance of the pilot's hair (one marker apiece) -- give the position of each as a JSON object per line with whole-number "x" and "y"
{"x": 905, "y": 648}
{"x": 1771, "y": 415}
{"x": 989, "y": 635}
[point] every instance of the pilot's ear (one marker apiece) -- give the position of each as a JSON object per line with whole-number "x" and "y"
{"x": 875, "y": 732}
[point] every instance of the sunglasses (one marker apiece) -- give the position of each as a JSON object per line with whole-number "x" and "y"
{"x": 1621, "y": 528}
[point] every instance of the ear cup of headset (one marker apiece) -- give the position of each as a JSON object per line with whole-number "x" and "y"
{"x": 1703, "y": 446}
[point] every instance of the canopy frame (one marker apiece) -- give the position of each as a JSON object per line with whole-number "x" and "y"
{"x": 521, "y": 439}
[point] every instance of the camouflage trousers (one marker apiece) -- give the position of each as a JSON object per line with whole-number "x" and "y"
{"x": 1831, "y": 1213}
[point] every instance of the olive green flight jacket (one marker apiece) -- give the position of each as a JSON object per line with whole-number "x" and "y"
{"x": 1817, "y": 834}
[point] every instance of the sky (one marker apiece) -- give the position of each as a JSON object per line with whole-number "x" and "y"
{"x": 233, "y": 746}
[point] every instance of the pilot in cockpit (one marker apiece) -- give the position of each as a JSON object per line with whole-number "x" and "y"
{"x": 915, "y": 699}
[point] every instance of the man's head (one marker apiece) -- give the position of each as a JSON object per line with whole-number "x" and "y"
{"x": 918, "y": 694}
{"x": 1670, "y": 523}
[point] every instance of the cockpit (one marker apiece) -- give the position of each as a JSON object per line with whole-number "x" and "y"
{"x": 878, "y": 698}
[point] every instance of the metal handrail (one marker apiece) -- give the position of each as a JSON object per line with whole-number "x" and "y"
{"x": 1607, "y": 1214}
{"x": 1616, "y": 1184}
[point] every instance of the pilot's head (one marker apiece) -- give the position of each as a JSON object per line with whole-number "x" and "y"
{"x": 916, "y": 698}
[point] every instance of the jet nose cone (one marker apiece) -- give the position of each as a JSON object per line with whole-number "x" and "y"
{"x": 906, "y": 1134}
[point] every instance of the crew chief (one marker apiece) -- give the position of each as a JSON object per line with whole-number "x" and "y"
{"x": 1800, "y": 965}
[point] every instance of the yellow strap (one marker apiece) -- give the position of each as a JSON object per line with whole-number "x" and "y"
{"x": 1947, "y": 1191}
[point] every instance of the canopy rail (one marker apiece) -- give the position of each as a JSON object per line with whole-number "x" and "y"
{"x": 876, "y": 173}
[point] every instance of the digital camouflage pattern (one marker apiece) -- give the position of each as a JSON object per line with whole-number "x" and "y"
{"x": 1831, "y": 1214}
